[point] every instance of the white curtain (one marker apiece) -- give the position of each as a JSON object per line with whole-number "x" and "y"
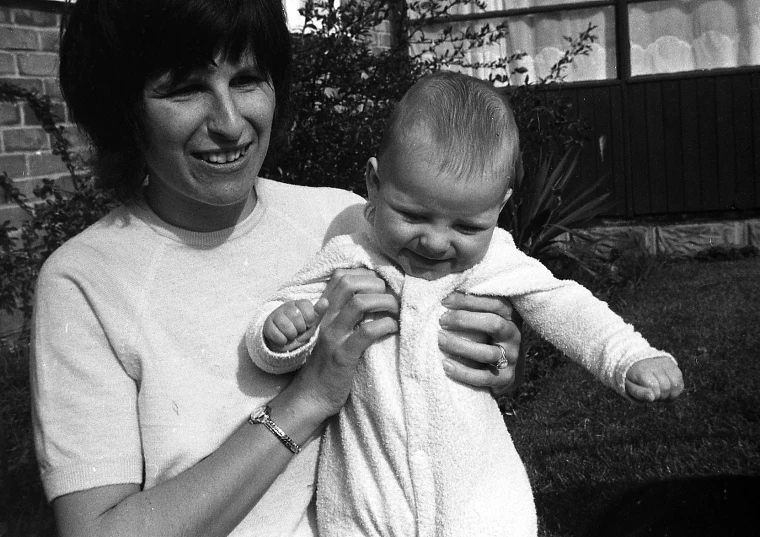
{"x": 684, "y": 35}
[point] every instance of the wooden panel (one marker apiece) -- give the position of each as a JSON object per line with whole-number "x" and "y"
{"x": 726, "y": 145}
{"x": 638, "y": 150}
{"x": 656, "y": 148}
{"x": 742, "y": 108}
{"x": 674, "y": 178}
{"x": 690, "y": 145}
{"x": 588, "y": 160}
{"x": 604, "y": 150}
{"x": 708, "y": 153}
{"x": 616, "y": 144}
{"x": 671, "y": 115}
{"x": 756, "y": 136}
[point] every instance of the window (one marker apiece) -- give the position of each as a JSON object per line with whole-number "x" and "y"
{"x": 663, "y": 36}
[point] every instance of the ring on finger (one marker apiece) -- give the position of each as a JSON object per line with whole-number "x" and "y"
{"x": 502, "y": 362}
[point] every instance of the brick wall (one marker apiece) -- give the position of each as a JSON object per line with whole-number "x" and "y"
{"x": 28, "y": 58}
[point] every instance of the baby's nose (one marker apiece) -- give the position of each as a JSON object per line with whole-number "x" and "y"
{"x": 435, "y": 244}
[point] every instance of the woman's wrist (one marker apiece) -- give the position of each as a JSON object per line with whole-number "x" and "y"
{"x": 297, "y": 414}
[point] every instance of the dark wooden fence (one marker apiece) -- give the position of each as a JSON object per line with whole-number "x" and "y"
{"x": 672, "y": 144}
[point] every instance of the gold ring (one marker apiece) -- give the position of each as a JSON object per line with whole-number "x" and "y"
{"x": 502, "y": 362}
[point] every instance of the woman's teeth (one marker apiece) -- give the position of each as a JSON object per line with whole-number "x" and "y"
{"x": 223, "y": 157}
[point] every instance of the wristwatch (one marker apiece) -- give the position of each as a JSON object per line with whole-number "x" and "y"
{"x": 261, "y": 416}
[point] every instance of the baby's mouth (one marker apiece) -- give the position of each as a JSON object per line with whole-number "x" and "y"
{"x": 223, "y": 157}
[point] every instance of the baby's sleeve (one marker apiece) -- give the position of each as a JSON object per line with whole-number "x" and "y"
{"x": 266, "y": 359}
{"x": 308, "y": 284}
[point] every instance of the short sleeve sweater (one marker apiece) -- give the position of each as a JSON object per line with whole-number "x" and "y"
{"x": 139, "y": 366}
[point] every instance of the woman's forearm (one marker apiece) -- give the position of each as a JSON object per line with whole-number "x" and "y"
{"x": 208, "y": 499}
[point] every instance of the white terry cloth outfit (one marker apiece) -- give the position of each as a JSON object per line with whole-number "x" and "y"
{"x": 414, "y": 453}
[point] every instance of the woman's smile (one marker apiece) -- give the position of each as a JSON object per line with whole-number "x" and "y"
{"x": 228, "y": 156}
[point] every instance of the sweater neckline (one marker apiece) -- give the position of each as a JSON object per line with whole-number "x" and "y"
{"x": 199, "y": 239}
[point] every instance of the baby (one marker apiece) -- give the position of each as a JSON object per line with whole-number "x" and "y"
{"x": 413, "y": 452}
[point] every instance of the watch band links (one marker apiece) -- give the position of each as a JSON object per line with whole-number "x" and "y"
{"x": 261, "y": 416}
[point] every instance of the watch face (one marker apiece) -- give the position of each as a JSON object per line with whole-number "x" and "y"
{"x": 260, "y": 414}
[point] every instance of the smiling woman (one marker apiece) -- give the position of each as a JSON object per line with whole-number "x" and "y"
{"x": 147, "y": 411}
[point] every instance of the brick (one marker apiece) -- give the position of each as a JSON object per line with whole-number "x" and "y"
{"x": 25, "y": 139}
{"x": 12, "y": 38}
{"x": 31, "y": 17}
{"x": 5, "y": 15}
{"x": 45, "y": 164}
{"x": 10, "y": 114}
{"x": 59, "y": 111}
{"x": 49, "y": 40}
{"x": 7, "y": 64}
{"x": 26, "y": 185}
{"x": 42, "y": 64}
{"x": 13, "y": 165}
{"x": 52, "y": 88}
{"x": 34, "y": 84}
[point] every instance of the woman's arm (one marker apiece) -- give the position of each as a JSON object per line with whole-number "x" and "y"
{"x": 491, "y": 323}
{"x": 213, "y": 496}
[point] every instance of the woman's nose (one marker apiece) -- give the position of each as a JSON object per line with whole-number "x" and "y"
{"x": 225, "y": 118}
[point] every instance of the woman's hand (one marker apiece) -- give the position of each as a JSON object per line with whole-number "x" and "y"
{"x": 477, "y": 333}
{"x": 345, "y": 333}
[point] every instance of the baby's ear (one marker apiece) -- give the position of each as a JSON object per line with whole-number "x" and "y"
{"x": 373, "y": 185}
{"x": 372, "y": 179}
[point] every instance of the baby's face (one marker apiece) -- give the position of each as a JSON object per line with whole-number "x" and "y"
{"x": 432, "y": 224}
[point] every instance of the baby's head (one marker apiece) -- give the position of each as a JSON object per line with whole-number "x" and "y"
{"x": 442, "y": 175}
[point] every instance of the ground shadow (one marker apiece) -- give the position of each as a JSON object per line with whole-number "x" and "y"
{"x": 722, "y": 506}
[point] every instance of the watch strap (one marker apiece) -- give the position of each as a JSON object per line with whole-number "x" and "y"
{"x": 261, "y": 415}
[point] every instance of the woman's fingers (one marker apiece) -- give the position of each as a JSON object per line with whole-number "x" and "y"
{"x": 483, "y": 335}
{"x": 359, "y": 312}
{"x": 475, "y": 374}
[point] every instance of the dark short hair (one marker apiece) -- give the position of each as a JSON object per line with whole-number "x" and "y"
{"x": 469, "y": 122}
{"x": 110, "y": 49}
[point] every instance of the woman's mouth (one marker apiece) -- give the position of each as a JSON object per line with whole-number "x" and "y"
{"x": 223, "y": 157}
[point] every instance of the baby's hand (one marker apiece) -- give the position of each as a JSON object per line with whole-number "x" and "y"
{"x": 654, "y": 379}
{"x": 292, "y": 324}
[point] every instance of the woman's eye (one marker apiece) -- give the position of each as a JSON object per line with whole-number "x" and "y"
{"x": 188, "y": 89}
{"x": 244, "y": 81}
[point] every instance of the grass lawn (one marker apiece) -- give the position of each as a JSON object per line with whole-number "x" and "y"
{"x": 603, "y": 466}
{"x": 600, "y": 466}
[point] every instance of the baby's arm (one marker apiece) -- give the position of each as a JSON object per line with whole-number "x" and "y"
{"x": 654, "y": 379}
{"x": 292, "y": 324}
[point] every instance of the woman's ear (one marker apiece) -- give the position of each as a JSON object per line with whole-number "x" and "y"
{"x": 506, "y": 198}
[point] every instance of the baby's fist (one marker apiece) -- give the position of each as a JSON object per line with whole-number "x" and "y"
{"x": 654, "y": 379}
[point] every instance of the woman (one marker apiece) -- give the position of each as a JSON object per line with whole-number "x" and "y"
{"x": 147, "y": 411}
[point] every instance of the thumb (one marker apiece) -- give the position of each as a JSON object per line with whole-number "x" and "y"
{"x": 321, "y": 307}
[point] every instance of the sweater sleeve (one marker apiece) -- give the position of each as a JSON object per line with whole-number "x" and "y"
{"x": 84, "y": 401}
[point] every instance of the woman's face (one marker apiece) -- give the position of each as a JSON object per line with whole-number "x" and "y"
{"x": 206, "y": 139}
